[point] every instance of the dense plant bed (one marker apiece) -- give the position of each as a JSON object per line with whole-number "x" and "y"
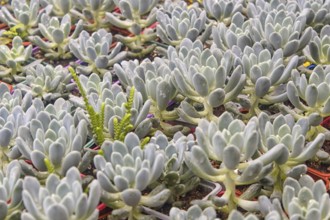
{"x": 120, "y": 109}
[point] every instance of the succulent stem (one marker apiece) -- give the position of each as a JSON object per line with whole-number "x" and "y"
{"x": 3, "y": 158}
{"x": 230, "y": 190}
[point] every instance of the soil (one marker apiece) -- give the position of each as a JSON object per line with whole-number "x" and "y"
{"x": 38, "y": 54}
{"x": 324, "y": 168}
{"x": 215, "y": 164}
{"x": 219, "y": 110}
{"x": 184, "y": 201}
{"x": 103, "y": 215}
{"x": 326, "y": 146}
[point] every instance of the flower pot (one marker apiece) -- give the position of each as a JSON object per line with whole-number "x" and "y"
{"x": 214, "y": 188}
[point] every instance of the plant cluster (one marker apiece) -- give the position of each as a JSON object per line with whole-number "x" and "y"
{"x": 131, "y": 105}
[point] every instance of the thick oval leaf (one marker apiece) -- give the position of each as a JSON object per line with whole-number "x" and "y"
{"x": 216, "y": 97}
{"x": 231, "y": 157}
{"x": 131, "y": 197}
{"x": 200, "y": 84}
{"x": 262, "y": 86}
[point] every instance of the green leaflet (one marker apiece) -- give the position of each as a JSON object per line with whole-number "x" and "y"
{"x": 95, "y": 118}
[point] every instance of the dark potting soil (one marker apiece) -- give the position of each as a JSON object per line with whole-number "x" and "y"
{"x": 219, "y": 110}
{"x": 64, "y": 62}
{"x": 184, "y": 201}
{"x": 326, "y": 146}
{"x": 325, "y": 168}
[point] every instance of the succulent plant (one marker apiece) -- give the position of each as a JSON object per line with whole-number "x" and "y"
{"x": 205, "y": 77}
{"x": 10, "y": 123}
{"x": 111, "y": 112}
{"x": 13, "y": 61}
{"x": 194, "y": 212}
{"x": 318, "y": 49}
{"x": 15, "y": 111}
{"x": 151, "y": 79}
{"x": 52, "y": 141}
{"x": 234, "y": 145}
{"x": 222, "y": 10}
{"x": 92, "y": 12}
{"x": 133, "y": 19}
{"x": 47, "y": 82}
{"x": 310, "y": 96}
{"x": 65, "y": 198}
{"x": 95, "y": 51}
{"x": 293, "y": 135}
{"x": 237, "y": 34}
{"x": 236, "y": 215}
{"x": 25, "y": 17}
{"x": 57, "y": 35}
{"x": 306, "y": 199}
{"x": 10, "y": 99}
{"x": 301, "y": 199}
{"x": 176, "y": 176}
{"x": 267, "y": 74}
{"x": 316, "y": 11}
{"x": 11, "y": 187}
{"x": 179, "y": 22}
{"x": 255, "y": 8}
{"x": 125, "y": 171}
{"x": 59, "y": 7}
{"x": 281, "y": 29}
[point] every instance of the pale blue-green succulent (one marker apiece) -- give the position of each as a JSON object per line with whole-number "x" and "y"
{"x": 301, "y": 199}
{"x": 236, "y": 215}
{"x": 15, "y": 111}
{"x": 318, "y": 51}
{"x": 59, "y": 7}
{"x": 297, "y": 148}
{"x": 281, "y": 29}
{"x": 207, "y": 77}
{"x": 152, "y": 80}
{"x": 25, "y": 16}
{"x": 92, "y": 12}
{"x": 13, "y": 61}
{"x": 10, "y": 123}
{"x": 316, "y": 11}
{"x": 136, "y": 16}
{"x": 234, "y": 145}
{"x": 178, "y": 21}
{"x": 60, "y": 198}
{"x": 10, "y": 99}
{"x": 237, "y": 34}
{"x": 124, "y": 171}
{"x": 95, "y": 51}
{"x": 103, "y": 92}
{"x": 310, "y": 96}
{"x": 47, "y": 82}
{"x": 266, "y": 76}
{"x": 57, "y": 34}
{"x": 11, "y": 187}
{"x": 194, "y": 212}
{"x": 176, "y": 175}
{"x": 52, "y": 141}
{"x": 222, "y": 10}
